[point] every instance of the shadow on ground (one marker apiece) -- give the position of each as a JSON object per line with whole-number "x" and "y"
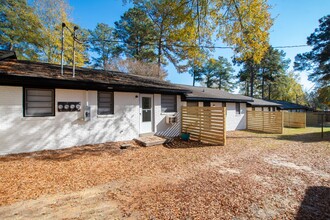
{"x": 316, "y": 204}
{"x": 111, "y": 148}
{"x": 306, "y": 137}
{"x": 178, "y": 143}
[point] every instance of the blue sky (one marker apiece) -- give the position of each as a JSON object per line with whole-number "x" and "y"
{"x": 294, "y": 21}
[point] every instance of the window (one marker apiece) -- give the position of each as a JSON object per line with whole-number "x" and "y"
{"x": 105, "y": 103}
{"x": 192, "y": 104}
{"x": 146, "y": 109}
{"x": 224, "y": 104}
{"x": 238, "y": 108}
{"x": 39, "y": 102}
{"x": 207, "y": 104}
{"x": 168, "y": 103}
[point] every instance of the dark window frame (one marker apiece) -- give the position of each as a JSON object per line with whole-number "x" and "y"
{"x": 25, "y": 102}
{"x": 238, "y": 108}
{"x": 175, "y": 107}
{"x": 206, "y": 104}
{"x": 112, "y": 107}
{"x": 192, "y": 104}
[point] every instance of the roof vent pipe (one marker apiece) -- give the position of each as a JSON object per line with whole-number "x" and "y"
{"x": 62, "y": 50}
{"x": 74, "y": 52}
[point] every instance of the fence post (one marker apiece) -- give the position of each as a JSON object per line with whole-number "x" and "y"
{"x": 263, "y": 121}
{"x": 181, "y": 118}
{"x": 247, "y": 119}
{"x": 282, "y": 122}
{"x": 224, "y": 125}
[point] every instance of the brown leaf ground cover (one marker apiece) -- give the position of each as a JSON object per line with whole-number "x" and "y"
{"x": 258, "y": 176}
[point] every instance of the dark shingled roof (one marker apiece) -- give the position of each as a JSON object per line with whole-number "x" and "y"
{"x": 263, "y": 103}
{"x": 209, "y": 94}
{"x": 19, "y": 72}
{"x": 7, "y": 54}
{"x": 284, "y": 105}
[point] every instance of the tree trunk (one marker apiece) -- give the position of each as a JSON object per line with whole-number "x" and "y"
{"x": 194, "y": 76}
{"x": 159, "y": 50}
{"x": 263, "y": 84}
{"x": 269, "y": 91}
{"x": 246, "y": 88}
{"x": 252, "y": 82}
{"x": 219, "y": 82}
{"x": 137, "y": 50}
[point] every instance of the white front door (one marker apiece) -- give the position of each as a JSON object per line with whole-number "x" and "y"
{"x": 146, "y": 113}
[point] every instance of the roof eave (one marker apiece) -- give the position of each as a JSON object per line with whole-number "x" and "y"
{"x": 201, "y": 99}
{"x": 13, "y": 80}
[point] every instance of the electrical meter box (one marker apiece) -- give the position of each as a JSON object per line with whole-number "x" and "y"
{"x": 87, "y": 113}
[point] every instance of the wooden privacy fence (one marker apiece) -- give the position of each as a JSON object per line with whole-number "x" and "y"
{"x": 314, "y": 119}
{"x": 269, "y": 122}
{"x": 295, "y": 119}
{"x": 206, "y": 124}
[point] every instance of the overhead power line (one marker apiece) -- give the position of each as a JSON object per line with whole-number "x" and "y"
{"x": 291, "y": 46}
{"x": 192, "y": 46}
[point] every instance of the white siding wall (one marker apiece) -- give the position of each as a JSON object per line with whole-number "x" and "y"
{"x": 161, "y": 128}
{"x": 236, "y": 121}
{"x": 66, "y": 129}
{"x": 233, "y": 121}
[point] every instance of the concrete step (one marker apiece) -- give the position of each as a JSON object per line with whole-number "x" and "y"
{"x": 148, "y": 141}
{"x": 147, "y": 134}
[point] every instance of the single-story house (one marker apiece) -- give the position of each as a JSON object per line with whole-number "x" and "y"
{"x": 42, "y": 109}
{"x": 263, "y": 105}
{"x": 236, "y": 104}
{"x": 290, "y": 107}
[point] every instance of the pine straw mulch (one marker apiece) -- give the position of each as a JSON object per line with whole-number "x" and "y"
{"x": 253, "y": 176}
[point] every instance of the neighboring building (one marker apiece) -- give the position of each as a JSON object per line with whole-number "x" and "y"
{"x": 263, "y": 105}
{"x": 290, "y": 107}
{"x": 236, "y": 104}
{"x": 6, "y": 54}
{"x": 41, "y": 109}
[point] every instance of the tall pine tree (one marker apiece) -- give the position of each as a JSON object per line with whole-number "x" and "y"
{"x": 137, "y": 34}
{"x": 103, "y": 42}
{"x": 20, "y": 29}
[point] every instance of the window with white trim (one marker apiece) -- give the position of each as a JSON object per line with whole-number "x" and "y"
{"x": 39, "y": 102}
{"x": 168, "y": 103}
{"x": 105, "y": 103}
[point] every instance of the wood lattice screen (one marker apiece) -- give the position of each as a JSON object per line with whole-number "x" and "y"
{"x": 269, "y": 122}
{"x": 206, "y": 124}
{"x": 295, "y": 119}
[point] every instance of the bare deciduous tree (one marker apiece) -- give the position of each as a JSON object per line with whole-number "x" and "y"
{"x": 136, "y": 67}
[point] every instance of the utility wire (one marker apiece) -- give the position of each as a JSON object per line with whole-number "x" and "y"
{"x": 189, "y": 46}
